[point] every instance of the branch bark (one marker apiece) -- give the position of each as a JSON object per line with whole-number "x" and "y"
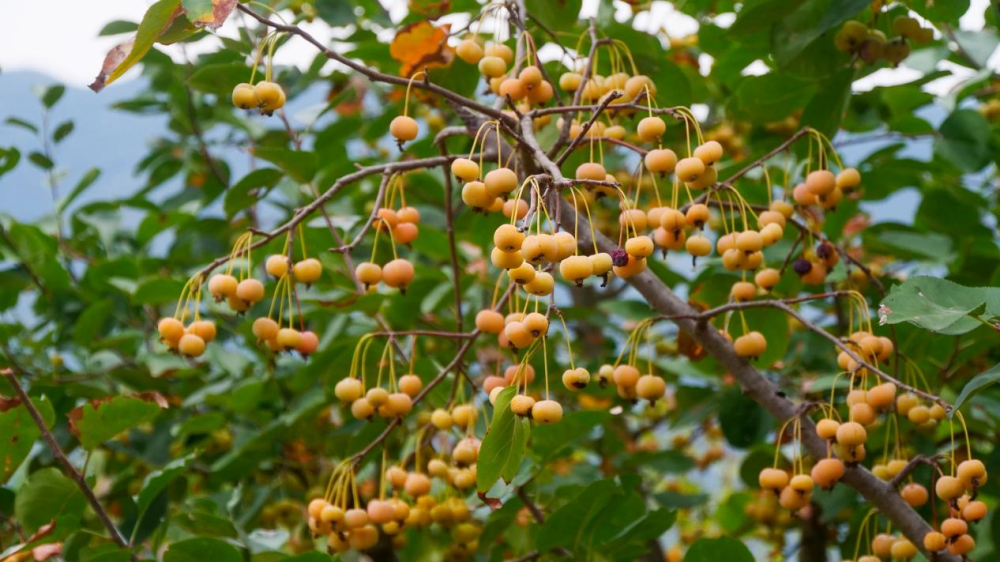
{"x": 754, "y": 384}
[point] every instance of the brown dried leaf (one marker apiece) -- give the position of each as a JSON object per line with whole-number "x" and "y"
{"x": 42, "y": 531}
{"x": 421, "y": 45}
{"x": 688, "y": 347}
{"x": 220, "y": 12}
{"x": 111, "y": 61}
{"x": 8, "y": 403}
{"x": 493, "y": 503}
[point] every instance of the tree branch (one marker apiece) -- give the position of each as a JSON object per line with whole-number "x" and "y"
{"x": 60, "y": 457}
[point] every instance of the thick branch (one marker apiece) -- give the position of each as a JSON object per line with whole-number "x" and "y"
{"x": 754, "y": 384}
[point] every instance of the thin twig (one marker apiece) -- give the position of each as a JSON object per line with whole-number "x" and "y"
{"x": 60, "y": 457}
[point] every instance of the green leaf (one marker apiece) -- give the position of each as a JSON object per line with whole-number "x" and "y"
{"x": 62, "y": 131}
{"x": 743, "y": 421}
{"x": 51, "y": 95}
{"x": 197, "y": 9}
{"x": 220, "y": 78}
{"x": 335, "y": 12}
{"x": 666, "y": 461}
{"x": 978, "y": 383}
{"x": 299, "y": 164}
{"x": 157, "y": 481}
{"x": 242, "y": 195}
{"x": 118, "y": 27}
{"x": 157, "y": 19}
{"x": 809, "y": 22}
{"x": 158, "y": 290}
{"x": 504, "y": 444}
{"x": 678, "y": 500}
{"x": 18, "y": 122}
{"x": 19, "y": 433}
{"x": 201, "y": 549}
{"x": 90, "y": 324}
{"x": 977, "y": 45}
{"x": 826, "y": 109}
{"x": 549, "y": 440}
{"x": 41, "y": 160}
{"x": 97, "y": 421}
{"x": 558, "y": 15}
{"x": 47, "y": 495}
{"x": 567, "y": 526}
{"x": 772, "y": 97}
{"x": 722, "y": 548}
{"x": 965, "y": 140}
{"x": 88, "y": 179}
{"x": 9, "y": 158}
{"x": 934, "y": 304}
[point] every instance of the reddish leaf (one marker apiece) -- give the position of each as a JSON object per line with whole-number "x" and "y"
{"x": 43, "y": 531}
{"x": 492, "y": 503}
{"x": 430, "y": 8}
{"x": 421, "y": 45}
{"x": 8, "y": 403}
{"x": 214, "y": 19}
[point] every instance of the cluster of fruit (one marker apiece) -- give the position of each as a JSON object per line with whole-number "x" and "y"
{"x": 189, "y": 340}
{"x": 241, "y": 294}
{"x": 401, "y": 227}
{"x": 349, "y": 522}
{"x": 872, "y": 44}
{"x": 265, "y": 96}
{"x": 392, "y": 402}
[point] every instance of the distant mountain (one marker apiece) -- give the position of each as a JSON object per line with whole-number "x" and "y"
{"x": 111, "y": 140}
